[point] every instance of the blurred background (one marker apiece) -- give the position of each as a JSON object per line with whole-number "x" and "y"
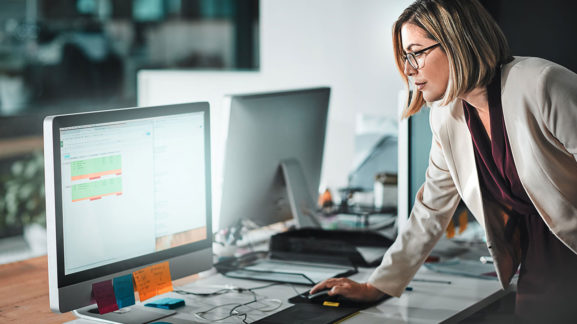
{"x": 64, "y": 56}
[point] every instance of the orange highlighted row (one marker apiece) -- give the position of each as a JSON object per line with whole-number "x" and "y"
{"x": 96, "y": 175}
{"x": 98, "y": 197}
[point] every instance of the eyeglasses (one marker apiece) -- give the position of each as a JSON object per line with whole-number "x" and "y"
{"x": 413, "y": 58}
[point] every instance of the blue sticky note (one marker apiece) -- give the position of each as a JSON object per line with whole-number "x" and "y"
{"x": 167, "y": 303}
{"x": 124, "y": 291}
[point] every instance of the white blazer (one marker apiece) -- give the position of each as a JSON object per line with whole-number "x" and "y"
{"x": 539, "y": 100}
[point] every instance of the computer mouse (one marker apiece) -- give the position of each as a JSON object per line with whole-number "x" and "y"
{"x": 322, "y": 297}
{"x": 319, "y": 295}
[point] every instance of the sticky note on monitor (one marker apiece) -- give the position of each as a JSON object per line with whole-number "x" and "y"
{"x": 124, "y": 291}
{"x": 161, "y": 275}
{"x": 104, "y": 295}
{"x": 153, "y": 280}
{"x": 144, "y": 285}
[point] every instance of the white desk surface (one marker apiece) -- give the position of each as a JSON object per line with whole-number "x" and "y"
{"x": 429, "y": 302}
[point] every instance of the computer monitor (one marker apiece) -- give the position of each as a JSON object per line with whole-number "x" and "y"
{"x": 414, "y": 140}
{"x": 125, "y": 189}
{"x": 273, "y": 157}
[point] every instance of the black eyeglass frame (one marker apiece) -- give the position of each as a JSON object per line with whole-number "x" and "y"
{"x": 412, "y": 57}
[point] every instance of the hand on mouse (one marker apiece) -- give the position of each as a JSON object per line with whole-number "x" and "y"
{"x": 362, "y": 292}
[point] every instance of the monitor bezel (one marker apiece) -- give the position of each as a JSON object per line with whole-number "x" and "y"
{"x": 119, "y": 115}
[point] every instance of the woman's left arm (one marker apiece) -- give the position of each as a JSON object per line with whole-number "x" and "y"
{"x": 559, "y": 103}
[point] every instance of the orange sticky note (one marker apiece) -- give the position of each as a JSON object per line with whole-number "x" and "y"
{"x": 153, "y": 280}
{"x": 145, "y": 285}
{"x": 162, "y": 278}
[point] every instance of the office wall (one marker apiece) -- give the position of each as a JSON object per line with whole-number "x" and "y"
{"x": 343, "y": 43}
{"x": 538, "y": 28}
{"x": 340, "y": 43}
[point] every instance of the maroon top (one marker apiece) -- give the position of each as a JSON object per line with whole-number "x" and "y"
{"x": 547, "y": 285}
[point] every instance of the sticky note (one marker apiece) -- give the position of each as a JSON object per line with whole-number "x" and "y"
{"x": 167, "y": 303}
{"x": 153, "y": 280}
{"x": 161, "y": 275}
{"x": 124, "y": 291}
{"x": 104, "y": 295}
{"x": 144, "y": 285}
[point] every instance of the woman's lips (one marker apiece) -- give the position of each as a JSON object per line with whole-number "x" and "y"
{"x": 420, "y": 85}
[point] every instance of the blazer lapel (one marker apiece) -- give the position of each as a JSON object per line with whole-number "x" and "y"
{"x": 461, "y": 156}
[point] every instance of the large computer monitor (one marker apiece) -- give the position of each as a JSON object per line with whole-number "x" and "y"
{"x": 125, "y": 189}
{"x": 414, "y": 140}
{"x": 273, "y": 157}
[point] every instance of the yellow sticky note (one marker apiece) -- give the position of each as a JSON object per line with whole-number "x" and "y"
{"x": 161, "y": 277}
{"x": 145, "y": 285}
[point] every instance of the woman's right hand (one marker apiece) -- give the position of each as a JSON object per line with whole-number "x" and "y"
{"x": 362, "y": 292}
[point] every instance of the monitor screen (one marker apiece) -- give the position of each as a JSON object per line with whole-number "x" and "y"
{"x": 126, "y": 189}
{"x": 267, "y": 131}
{"x": 415, "y": 139}
{"x": 420, "y": 137}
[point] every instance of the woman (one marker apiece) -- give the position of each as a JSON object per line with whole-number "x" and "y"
{"x": 503, "y": 141}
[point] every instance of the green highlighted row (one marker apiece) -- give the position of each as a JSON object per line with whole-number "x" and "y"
{"x": 96, "y": 165}
{"x": 96, "y": 189}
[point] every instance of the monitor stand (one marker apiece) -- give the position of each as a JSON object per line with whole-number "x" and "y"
{"x": 127, "y": 315}
{"x": 302, "y": 205}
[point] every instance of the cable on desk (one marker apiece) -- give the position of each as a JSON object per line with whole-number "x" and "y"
{"x": 233, "y": 311}
{"x": 222, "y": 291}
{"x": 215, "y": 293}
{"x": 265, "y": 286}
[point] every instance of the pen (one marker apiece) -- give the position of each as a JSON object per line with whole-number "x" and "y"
{"x": 432, "y": 280}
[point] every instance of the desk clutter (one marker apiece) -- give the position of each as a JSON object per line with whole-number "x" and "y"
{"x": 309, "y": 255}
{"x": 111, "y": 295}
{"x": 268, "y": 303}
{"x": 212, "y": 301}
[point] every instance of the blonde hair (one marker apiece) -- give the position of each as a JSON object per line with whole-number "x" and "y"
{"x": 474, "y": 44}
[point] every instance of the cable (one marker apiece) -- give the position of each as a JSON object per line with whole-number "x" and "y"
{"x": 222, "y": 291}
{"x": 234, "y": 311}
{"x": 298, "y": 293}
{"x": 200, "y": 314}
{"x": 216, "y": 293}
{"x": 265, "y": 286}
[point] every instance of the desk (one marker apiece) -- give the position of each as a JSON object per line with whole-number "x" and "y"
{"x": 24, "y": 296}
{"x": 24, "y": 293}
{"x": 427, "y": 303}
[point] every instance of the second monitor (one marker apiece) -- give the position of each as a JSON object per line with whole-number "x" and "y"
{"x": 273, "y": 157}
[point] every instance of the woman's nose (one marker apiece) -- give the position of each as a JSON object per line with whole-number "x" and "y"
{"x": 409, "y": 70}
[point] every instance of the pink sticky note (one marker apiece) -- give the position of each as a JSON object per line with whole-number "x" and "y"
{"x": 104, "y": 294}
